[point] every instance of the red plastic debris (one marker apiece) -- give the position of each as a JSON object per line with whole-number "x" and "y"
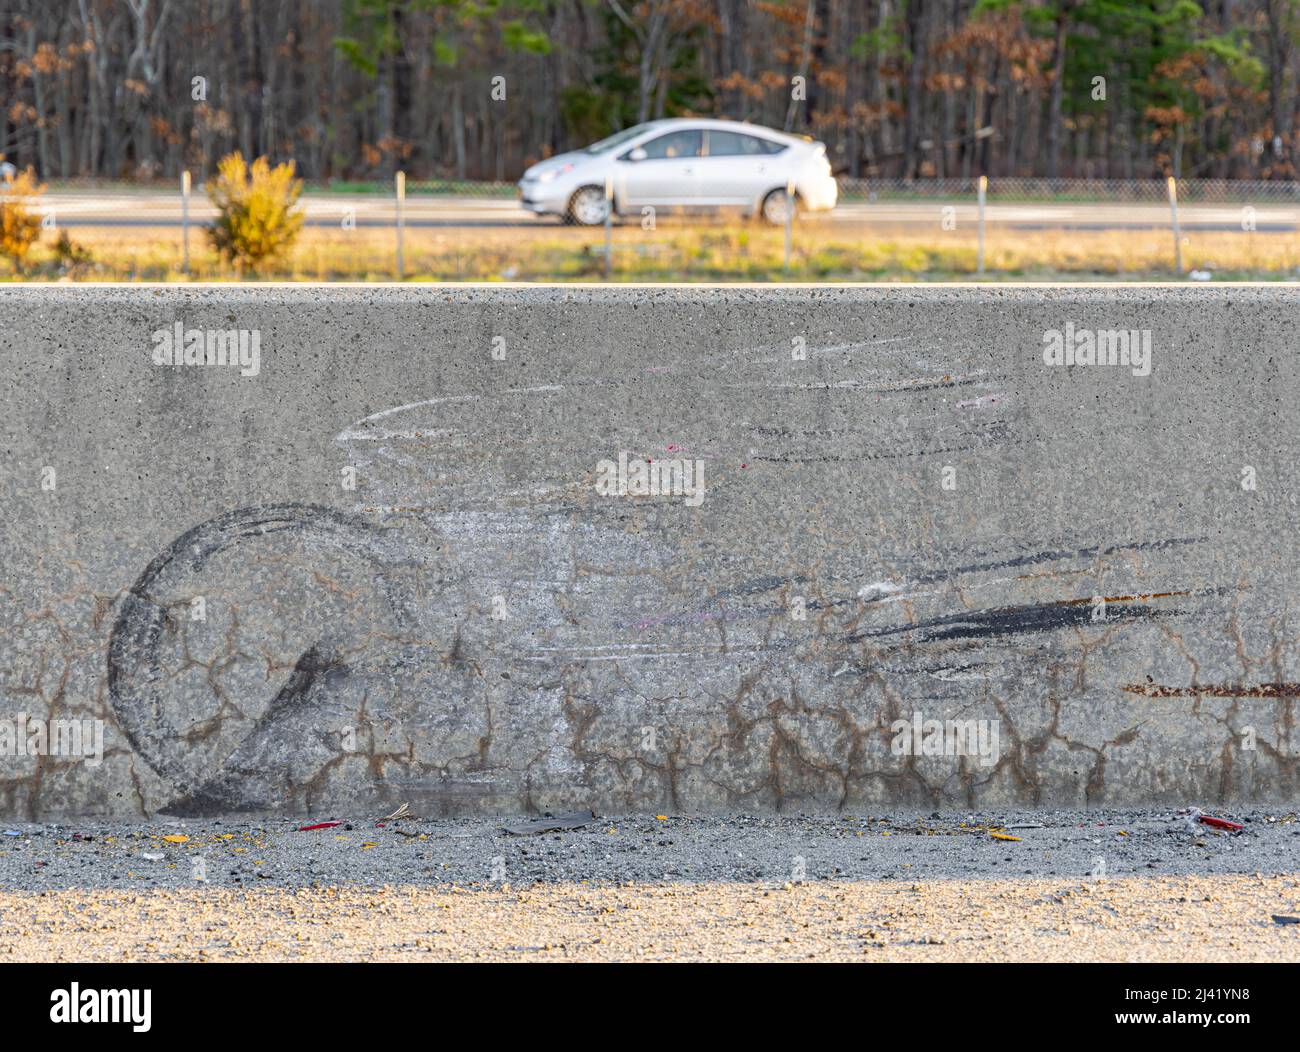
{"x": 319, "y": 825}
{"x": 1220, "y": 823}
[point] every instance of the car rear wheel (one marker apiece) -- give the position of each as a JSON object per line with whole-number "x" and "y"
{"x": 587, "y": 206}
{"x": 775, "y": 206}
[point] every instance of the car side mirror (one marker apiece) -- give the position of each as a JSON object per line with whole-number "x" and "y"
{"x": 636, "y": 154}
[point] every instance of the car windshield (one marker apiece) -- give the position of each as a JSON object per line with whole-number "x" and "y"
{"x": 617, "y": 139}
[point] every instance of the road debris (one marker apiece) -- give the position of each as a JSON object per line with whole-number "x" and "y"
{"x": 1193, "y": 815}
{"x": 551, "y": 824}
{"x": 1282, "y": 919}
{"x": 1004, "y": 836}
{"x": 402, "y": 812}
{"x": 318, "y": 825}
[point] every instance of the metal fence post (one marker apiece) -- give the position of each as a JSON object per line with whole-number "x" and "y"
{"x": 609, "y": 225}
{"x": 1178, "y": 237}
{"x": 401, "y": 201}
{"x": 983, "y": 189}
{"x": 789, "y": 224}
{"x": 185, "y": 223}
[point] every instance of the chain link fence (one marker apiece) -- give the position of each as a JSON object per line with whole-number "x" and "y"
{"x": 1101, "y": 191}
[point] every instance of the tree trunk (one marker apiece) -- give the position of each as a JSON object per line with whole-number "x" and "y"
{"x": 1058, "y": 93}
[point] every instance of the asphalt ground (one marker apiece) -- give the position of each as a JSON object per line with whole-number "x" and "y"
{"x": 939, "y": 886}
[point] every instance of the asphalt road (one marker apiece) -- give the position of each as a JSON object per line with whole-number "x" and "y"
{"x": 612, "y": 850}
{"x": 75, "y": 210}
{"x": 954, "y": 886}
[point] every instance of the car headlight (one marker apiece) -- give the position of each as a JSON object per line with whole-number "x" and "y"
{"x": 554, "y": 173}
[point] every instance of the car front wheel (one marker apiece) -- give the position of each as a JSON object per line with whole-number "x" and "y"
{"x": 588, "y": 206}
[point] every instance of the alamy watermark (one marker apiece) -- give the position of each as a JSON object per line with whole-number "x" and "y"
{"x": 179, "y": 346}
{"x": 635, "y": 477}
{"x": 77, "y": 739}
{"x": 921, "y": 737}
{"x": 1119, "y": 347}
{"x": 75, "y": 1005}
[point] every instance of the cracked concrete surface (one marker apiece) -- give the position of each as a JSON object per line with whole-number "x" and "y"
{"x": 905, "y": 510}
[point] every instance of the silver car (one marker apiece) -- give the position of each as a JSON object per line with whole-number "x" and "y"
{"x": 683, "y": 164}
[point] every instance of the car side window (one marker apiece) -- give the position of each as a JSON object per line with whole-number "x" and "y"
{"x": 675, "y": 145}
{"x": 735, "y": 144}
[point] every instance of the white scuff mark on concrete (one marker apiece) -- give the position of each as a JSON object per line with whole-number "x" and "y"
{"x": 542, "y": 389}
{"x": 587, "y": 654}
{"x": 881, "y": 592}
{"x": 900, "y": 595}
{"x": 361, "y": 430}
{"x": 394, "y": 509}
{"x": 587, "y": 650}
{"x": 982, "y": 402}
{"x": 920, "y": 383}
{"x": 849, "y": 348}
{"x": 879, "y": 589}
{"x": 416, "y": 434}
{"x": 354, "y": 432}
{"x": 958, "y": 675}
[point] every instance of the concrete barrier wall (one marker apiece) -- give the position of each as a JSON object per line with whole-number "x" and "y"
{"x": 892, "y": 553}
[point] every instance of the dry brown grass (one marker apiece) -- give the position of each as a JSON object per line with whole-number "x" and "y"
{"x": 823, "y": 251}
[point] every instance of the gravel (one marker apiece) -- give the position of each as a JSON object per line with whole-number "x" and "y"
{"x": 235, "y": 852}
